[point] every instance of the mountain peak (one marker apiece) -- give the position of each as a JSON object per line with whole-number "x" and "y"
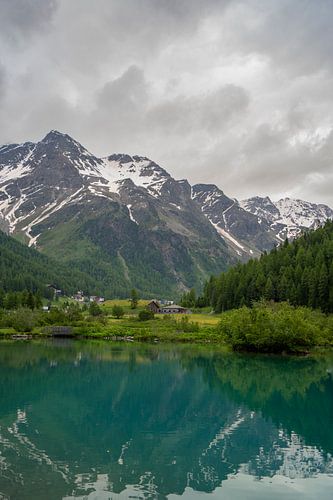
{"x": 55, "y": 135}
{"x": 123, "y": 158}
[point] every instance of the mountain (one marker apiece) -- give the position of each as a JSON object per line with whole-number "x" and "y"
{"x": 287, "y": 217}
{"x": 257, "y": 224}
{"x": 244, "y": 232}
{"x": 125, "y": 220}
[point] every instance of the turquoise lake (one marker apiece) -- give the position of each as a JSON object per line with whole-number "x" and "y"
{"x": 97, "y": 420}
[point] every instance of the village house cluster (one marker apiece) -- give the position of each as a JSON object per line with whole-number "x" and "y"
{"x": 80, "y": 297}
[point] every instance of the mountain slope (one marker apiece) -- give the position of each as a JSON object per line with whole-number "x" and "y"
{"x": 23, "y": 268}
{"x": 243, "y": 231}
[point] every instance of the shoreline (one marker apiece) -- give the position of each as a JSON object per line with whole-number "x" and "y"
{"x": 189, "y": 341}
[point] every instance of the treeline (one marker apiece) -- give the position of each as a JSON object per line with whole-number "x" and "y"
{"x": 14, "y": 300}
{"x": 26, "y": 316}
{"x": 300, "y": 272}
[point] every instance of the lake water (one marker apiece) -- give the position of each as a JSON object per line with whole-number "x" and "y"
{"x": 94, "y": 420}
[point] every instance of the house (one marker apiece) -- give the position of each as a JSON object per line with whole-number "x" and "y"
{"x": 97, "y": 299}
{"x": 174, "y": 309}
{"x": 164, "y": 302}
{"x": 78, "y": 296}
{"x": 55, "y": 290}
{"x": 156, "y": 308}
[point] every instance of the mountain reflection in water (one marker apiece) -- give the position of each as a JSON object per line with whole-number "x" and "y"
{"x": 98, "y": 420}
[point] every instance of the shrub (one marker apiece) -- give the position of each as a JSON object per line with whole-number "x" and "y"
{"x": 187, "y": 326}
{"x": 145, "y": 315}
{"x": 117, "y": 312}
{"x": 271, "y": 328}
{"x": 23, "y": 320}
{"x": 94, "y": 309}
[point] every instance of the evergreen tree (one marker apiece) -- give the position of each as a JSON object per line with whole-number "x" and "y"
{"x": 134, "y": 298}
{"x": 94, "y": 309}
{"x": 323, "y": 290}
{"x": 300, "y": 272}
{"x": 269, "y": 289}
{"x": 31, "y": 301}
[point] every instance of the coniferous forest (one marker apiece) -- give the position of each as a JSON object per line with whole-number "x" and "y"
{"x": 300, "y": 272}
{"x": 24, "y": 269}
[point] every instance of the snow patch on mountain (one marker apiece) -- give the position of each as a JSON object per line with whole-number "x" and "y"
{"x": 38, "y": 180}
{"x": 129, "y": 208}
{"x": 12, "y": 171}
{"x": 302, "y": 213}
{"x": 288, "y": 216}
{"x": 228, "y": 236}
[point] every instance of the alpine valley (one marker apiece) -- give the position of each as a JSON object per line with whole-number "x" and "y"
{"x": 126, "y": 222}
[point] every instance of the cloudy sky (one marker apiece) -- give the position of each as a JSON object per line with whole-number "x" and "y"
{"x": 233, "y": 92}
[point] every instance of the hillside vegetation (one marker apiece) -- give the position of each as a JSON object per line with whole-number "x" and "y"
{"x": 300, "y": 272}
{"x": 24, "y": 269}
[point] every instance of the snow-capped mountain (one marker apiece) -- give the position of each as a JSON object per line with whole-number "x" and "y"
{"x": 244, "y": 232}
{"x": 129, "y": 217}
{"x": 37, "y": 180}
{"x": 123, "y": 218}
{"x": 288, "y": 217}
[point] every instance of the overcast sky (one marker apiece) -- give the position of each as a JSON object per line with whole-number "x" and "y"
{"x": 237, "y": 93}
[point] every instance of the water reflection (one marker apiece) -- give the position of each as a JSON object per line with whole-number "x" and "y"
{"x": 98, "y": 420}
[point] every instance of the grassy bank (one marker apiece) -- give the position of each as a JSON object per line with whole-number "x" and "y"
{"x": 266, "y": 327}
{"x": 197, "y": 327}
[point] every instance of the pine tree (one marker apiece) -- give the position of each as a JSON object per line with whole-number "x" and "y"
{"x": 269, "y": 289}
{"x": 301, "y": 272}
{"x": 134, "y": 298}
{"x": 323, "y": 290}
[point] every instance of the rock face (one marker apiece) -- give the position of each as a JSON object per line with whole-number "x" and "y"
{"x": 127, "y": 221}
{"x": 288, "y": 217}
{"x": 244, "y": 232}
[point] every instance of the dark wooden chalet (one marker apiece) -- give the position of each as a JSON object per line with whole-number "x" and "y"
{"x": 154, "y": 306}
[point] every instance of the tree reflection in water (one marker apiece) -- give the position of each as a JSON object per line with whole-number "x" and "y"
{"x": 83, "y": 417}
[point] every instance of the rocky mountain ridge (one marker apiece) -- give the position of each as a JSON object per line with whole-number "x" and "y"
{"x": 287, "y": 217}
{"x": 129, "y": 220}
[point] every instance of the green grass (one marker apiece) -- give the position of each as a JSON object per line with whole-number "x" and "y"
{"x": 266, "y": 327}
{"x": 125, "y": 304}
{"x": 198, "y": 328}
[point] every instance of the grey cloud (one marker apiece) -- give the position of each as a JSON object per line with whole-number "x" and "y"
{"x": 20, "y": 18}
{"x": 211, "y": 112}
{"x": 236, "y": 92}
{"x": 119, "y": 33}
{"x": 274, "y": 165}
{"x": 296, "y": 35}
{"x": 127, "y": 92}
{"x": 2, "y": 83}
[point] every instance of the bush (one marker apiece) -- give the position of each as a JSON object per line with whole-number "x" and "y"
{"x": 187, "y": 326}
{"x": 145, "y": 315}
{"x": 23, "y": 320}
{"x": 117, "y": 312}
{"x": 271, "y": 328}
{"x": 94, "y": 309}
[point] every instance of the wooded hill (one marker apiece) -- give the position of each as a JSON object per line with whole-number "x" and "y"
{"x": 23, "y": 268}
{"x": 300, "y": 272}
